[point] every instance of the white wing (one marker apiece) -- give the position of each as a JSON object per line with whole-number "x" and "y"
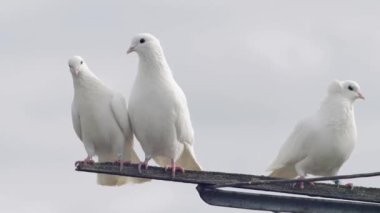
{"x": 296, "y": 146}
{"x": 185, "y": 134}
{"x": 184, "y": 129}
{"x": 76, "y": 120}
{"x": 120, "y": 113}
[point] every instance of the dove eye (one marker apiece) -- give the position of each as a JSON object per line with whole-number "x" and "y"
{"x": 142, "y": 41}
{"x": 351, "y": 88}
{"x": 81, "y": 62}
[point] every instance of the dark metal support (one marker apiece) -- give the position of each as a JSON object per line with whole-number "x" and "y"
{"x": 243, "y": 200}
{"x": 339, "y": 199}
{"x": 286, "y": 181}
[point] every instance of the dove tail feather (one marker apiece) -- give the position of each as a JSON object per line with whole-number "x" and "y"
{"x": 131, "y": 155}
{"x": 114, "y": 180}
{"x": 109, "y": 180}
{"x": 187, "y": 159}
{"x": 284, "y": 172}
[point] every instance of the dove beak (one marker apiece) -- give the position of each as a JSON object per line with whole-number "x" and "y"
{"x": 361, "y": 96}
{"x": 131, "y": 49}
{"x": 74, "y": 71}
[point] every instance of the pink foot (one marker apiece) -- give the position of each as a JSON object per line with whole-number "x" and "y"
{"x": 174, "y": 168}
{"x": 350, "y": 186}
{"x": 87, "y": 161}
{"x": 122, "y": 163}
{"x": 142, "y": 164}
{"x": 302, "y": 183}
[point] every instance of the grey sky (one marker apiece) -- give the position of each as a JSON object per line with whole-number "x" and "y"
{"x": 250, "y": 70}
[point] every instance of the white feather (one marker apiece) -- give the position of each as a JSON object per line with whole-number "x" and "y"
{"x": 100, "y": 119}
{"x": 158, "y": 108}
{"x": 320, "y": 144}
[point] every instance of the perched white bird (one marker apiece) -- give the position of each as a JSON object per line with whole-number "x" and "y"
{"x": 320, "y": 144}
{"x": 100, "y": 120}
{"x": 158, "y": 109}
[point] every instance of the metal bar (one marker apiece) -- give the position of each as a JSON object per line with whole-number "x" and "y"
{"x": 214, "y": 178}
{"x": 218, "y": 197}
{"x": 278, "y": 180}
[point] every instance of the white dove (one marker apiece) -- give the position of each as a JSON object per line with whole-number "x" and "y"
{"x": 158, "y": 109}
{"x": 320, "y": 144}
{"x": 100, "y": 120}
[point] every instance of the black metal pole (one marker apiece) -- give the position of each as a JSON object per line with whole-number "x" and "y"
{"x": 275, "y": 203}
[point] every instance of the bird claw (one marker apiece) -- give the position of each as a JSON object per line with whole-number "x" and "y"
{"x": 84, "y": 162}
{"x": 175, "y": 168}
{"x": 141, "y": 164}
{"x": 348, "y": 185}
{"x": 122, "y": 163}
{"x": 302, "y": 183}
{"x": 77, "y": 163}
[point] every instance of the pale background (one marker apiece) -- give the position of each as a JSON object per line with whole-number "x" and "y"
{"x": 250, "y": 70}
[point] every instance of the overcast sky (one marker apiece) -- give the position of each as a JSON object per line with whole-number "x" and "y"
{"x": 250, "y": 70}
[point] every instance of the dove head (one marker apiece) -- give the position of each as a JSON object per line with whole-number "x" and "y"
{"x": 347, "y": 89}
{"x": 76, "y": 64}
{"x": 145, "y": 44}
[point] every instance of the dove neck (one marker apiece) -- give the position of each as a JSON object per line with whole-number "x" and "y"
{"x": 154, "y": 63}
{"x": 335, "y": 108}
{"x": 86, "y": 79}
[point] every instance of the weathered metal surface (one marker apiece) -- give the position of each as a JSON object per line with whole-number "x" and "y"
{"x": 277, "y": 203}
{"x": 212, "y": 178}
{"x": 313, "y": 179}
